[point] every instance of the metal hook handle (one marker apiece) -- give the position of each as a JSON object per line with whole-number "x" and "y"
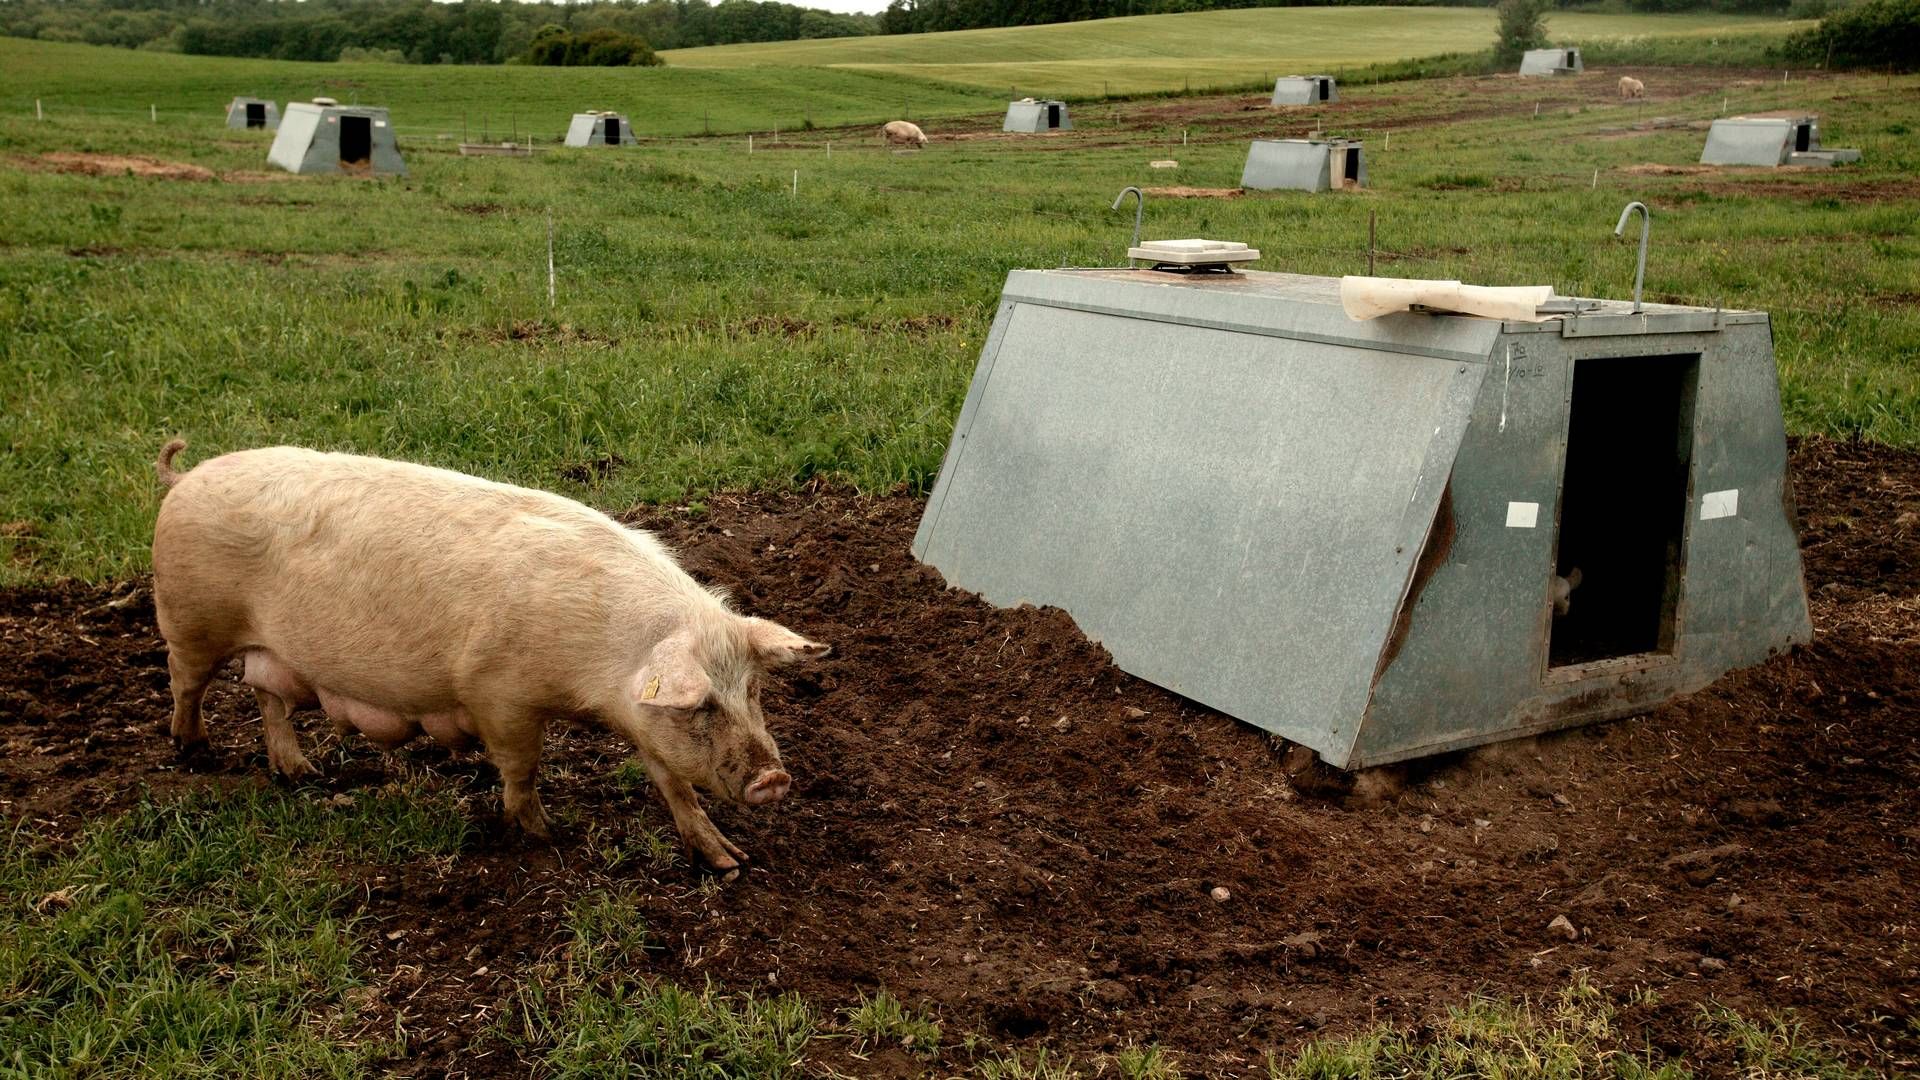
{"x": 1646, "y": 230}
{"x": 1139, "y": 210}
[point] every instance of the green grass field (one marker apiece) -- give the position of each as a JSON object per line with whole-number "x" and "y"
{"x": 1150, "y": 53}
{"x": 714, "y": 328}
{"x": 74, "y": 81}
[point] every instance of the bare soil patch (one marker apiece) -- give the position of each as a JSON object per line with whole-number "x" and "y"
{"x": 991, "y": 819}
{"x": 1196, "y": 192}
{"x": 125, "y": 165}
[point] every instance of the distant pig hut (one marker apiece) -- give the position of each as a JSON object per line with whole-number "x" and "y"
{"x": 1304, "y": 90}
{"x": 248, "y": 112}
{"x": 1028, "y": 115}
{"x": 1551, "y": 62}
{"x": 1363, "y": 536}
{"x": 1305, "y": 165}
{"x": 1769, "y": 140}
{"x": 324, "y": 136}
{"x": 600, "y": 129}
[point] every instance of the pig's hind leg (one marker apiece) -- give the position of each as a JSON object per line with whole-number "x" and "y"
{"x": 283, "y": 742}
{"x": 189, "y": 674}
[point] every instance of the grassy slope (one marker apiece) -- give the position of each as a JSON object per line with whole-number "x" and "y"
{"x": 73, "y": 80}
{"x": 722, "y": 332}
{"x": 1165, "y": 52}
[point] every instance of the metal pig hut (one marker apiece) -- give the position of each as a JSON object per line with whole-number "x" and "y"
{"x": 1348, "y": 533}
{"x": 600, "y": 129}
{"x": 1031, "y": 116}
{"x": 1304, "y": 90}
{"x": 251, "y": 112}
{"x": 326, "y": 137}
{"x": 1551, "y": 62}
{"x": 1769, "y": 140}
{"x": 1305, "y": 165}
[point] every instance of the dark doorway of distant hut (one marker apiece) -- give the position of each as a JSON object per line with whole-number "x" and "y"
{"x": 356, "y": 140}
{"x": 612, "y": 130}
{"x": 1623, "y": 501}
{"x": 256, "y": 115}
{"x": 1053, "y": 116}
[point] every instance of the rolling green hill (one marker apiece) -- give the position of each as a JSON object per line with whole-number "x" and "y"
{"x": 1215, "y": 48}
{"x": 431, "y": 100}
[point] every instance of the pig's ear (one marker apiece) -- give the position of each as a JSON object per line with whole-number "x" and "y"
{"x": 774, "y": 644}
{"x": 670, "y": 679}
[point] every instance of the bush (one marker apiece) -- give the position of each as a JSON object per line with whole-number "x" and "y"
{"x": 1874, "y": 34}
{"x": 554, "y": 47}
{"x": 1522, "y": 27}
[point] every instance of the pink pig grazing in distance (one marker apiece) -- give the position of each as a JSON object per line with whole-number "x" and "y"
{"x": 402, "y": 599}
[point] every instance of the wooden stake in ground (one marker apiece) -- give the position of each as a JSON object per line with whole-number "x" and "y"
{"x": 796, "y": 182}
{"x": 37, "y": 115}
{"x": 550, "y": 282}
{"x": 153, "y": 112}
{"x": 1369, "y": 243}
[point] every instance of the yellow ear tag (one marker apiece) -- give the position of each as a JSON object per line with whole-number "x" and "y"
{"x": 653, "y": 689}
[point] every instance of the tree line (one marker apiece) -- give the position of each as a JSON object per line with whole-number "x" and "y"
{"x": 417, "y": 31}
{"x": 922, "y": 16}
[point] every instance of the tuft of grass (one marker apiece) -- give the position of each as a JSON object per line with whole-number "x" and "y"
{"x": 198, "y": 937}
{"x": 1145, "y": 1063}
{"x": 882, "y": 1020}
{"x": 1012, "y": 1065}
{"x": 1572, "y": 1036}
{"x": 1776, "y": 1047}
{"x": 586, "y": 1015}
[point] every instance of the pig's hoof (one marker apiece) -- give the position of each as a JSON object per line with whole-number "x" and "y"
{"x": 190, "y": 748}
{"x": 295, "y": 770}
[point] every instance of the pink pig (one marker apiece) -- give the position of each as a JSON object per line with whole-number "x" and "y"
{"x": 402, "y": 599}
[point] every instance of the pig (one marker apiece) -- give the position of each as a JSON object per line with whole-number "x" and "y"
{"x": 903, "y": 133}
{"x": 401, "y": 599}
{"x": 1563, "y": 591}
{"x": 1631, "y": 87}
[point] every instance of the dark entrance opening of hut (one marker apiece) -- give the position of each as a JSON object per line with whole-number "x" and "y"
{"x": 257, "y": 114}
{"x": 356, "y": 140}
{"x": 612, "y": 124}
{"x": 1623, "y": 507}
{"x": 1053, "y": 115}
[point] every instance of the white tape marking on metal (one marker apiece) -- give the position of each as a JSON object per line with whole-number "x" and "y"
{"x": 1522, "y": 515}
{"x": 1720, "y": 504}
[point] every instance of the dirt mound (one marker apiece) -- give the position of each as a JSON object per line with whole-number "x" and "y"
{"x": 991, "y": 819}
{"x": 1196, "y": 192}
{"x": 125, "y": 165}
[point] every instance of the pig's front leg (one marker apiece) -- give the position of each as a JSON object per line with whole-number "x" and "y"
{"x": 696, "y": 828}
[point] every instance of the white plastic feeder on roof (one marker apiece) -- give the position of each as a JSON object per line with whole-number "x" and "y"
{"x": 1193, "y": 252}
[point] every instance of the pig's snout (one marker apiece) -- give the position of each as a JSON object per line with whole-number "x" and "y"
{"x": 769, "y": 787}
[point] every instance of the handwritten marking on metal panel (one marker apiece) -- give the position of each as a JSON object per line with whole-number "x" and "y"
{"x": 1522, "y": 515}
{"x": 1720, "y": 504}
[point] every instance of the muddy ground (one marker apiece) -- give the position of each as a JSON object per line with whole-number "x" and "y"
{"x": 990, "y": 819}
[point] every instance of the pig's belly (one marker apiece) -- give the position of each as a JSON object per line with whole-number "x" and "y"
{"x": 386, "y": 728}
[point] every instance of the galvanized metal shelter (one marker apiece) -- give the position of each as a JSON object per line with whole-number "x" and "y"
{"x": 1769, "y": 140}
{"x": 600, "y": 129}
{"x": 1551, "y": 62}
{"x": 326, "y": 137}
{"x": 1029, "y": 115}
{"x": 1305, "y": 165}
{"x": 250, "y": 112}
{"x": 1304, "y": 90}
{"x": 1353, "y": 534}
